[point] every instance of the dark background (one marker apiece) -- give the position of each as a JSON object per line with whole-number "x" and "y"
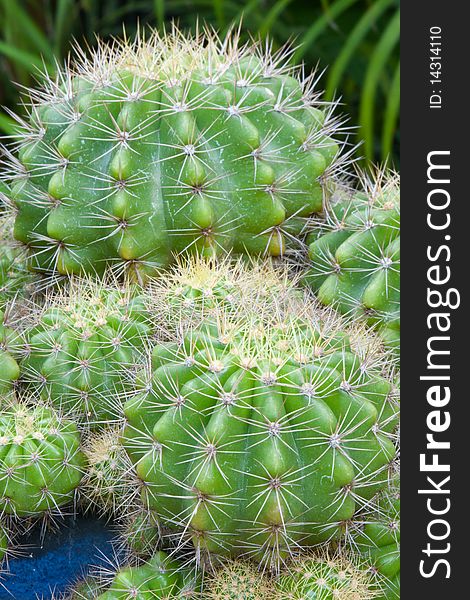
{"x": 356, "y": 39}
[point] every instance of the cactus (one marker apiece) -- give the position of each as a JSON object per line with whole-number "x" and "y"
{"x": 41, "y": 464}
{"x": 238, "y": 580}
{"x": 82, "y": 348}
{"x": 324, "y": 578}
{"x": 261, "y": 433}
{"x": 355, "y": 254}
{"x": 377, "y": 538}
{"x": 9, "y": 369}
{"x": 109, "y": 485}
{"x": 161, "y": 577}
{"x": 170, "y": 144}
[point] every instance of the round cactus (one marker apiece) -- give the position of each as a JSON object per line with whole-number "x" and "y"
{"x": 41, "y": 464}
{"x": 161, "y": 577}
{"x": 261, "y": 433}
{"x": 324, "y": 578}
{"x": 109, "y": 485}
{"x": 168, "y": 144}
{"x": 355, "y": 254}
{"x": 238, "y": 580}
{"x": 378, "y": 539}
{"x": 81, "y": 350}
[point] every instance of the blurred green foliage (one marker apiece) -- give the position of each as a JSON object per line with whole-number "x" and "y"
{"x": 357, "y": 40}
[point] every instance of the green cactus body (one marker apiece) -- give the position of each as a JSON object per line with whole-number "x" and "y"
{"x": 166, "y": 145}
{"x": 258, "y": 435}
{"x": 379, "y": 542}
{"x": 161, "y": 577}
{"x": 41, "y": 464}
{"x": 355, "y": 256}
{"x": 9, "y": 369}
{"x": 81, "y": 352}
{"x": 324, "y": 578}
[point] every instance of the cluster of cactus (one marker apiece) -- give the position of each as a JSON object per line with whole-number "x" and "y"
{"x": 161, "y": 366}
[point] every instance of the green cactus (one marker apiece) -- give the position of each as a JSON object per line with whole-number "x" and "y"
{"x": 109, "y": 486}
{"x": 378, "y": 540}
{"x": 83, "y": 347}
{"x": 261, "y": 433}
{"x": 9, "y": 369}
{"x": 41, "y": 464}
{"x": 238, "y": 580}
{"x": 355, "y": 254}
{"x": 324, "y": 578}
{"x": 168, "y": 144}
{"x": 161, "y": 577}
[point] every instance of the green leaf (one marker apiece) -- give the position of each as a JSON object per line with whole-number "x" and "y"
{"x": 352, "y": 42}
{"x": 391, "y": 116}
{"x": 375, "y": 69}
{"x": 319, "y": 26}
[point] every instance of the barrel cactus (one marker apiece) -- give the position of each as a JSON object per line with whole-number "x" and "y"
{"x": 161, "y": 577}
{"x": 167, "y": 144}
{"x": 41, "y": 464}
{"x": 355, "y": 253}
{"x": 325, "y": 578}
{"x": 261, "y": 433}
{"x": 82, "y": 347}
{"x": 109, "y": 486}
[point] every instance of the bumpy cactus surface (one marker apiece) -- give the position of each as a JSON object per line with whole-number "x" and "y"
{"x": 324, "y": 578}
{"x": 160, "y": 578}
{"x": 168, "y": 144}
{"x": 81, "y": 351}
{"x": 378, "y": 540}
{"x": 41, "y": 464}
{"x": 355, "y": 254}
{"x": 261, "y": 433}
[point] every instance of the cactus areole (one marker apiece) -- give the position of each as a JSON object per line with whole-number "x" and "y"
{"x": 148, "y": 149}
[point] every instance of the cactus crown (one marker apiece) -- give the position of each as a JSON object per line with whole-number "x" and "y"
{"x": 326, "y": 578}
{"x": 170, "y": 144}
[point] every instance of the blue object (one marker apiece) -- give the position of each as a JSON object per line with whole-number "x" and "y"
{"x": 59, "y": 561}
